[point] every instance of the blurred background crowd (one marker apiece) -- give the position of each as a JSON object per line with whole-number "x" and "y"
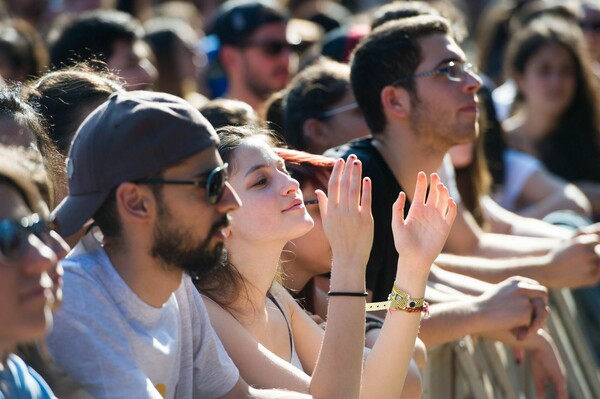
{"x": 284, "y": 65}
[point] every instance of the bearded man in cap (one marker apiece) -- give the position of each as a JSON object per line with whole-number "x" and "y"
{"x": 144, "y": 166}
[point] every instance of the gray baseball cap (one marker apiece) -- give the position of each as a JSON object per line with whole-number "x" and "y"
{"x": 130, "y": 136}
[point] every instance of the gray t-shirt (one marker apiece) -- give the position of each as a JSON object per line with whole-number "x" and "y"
{"x": 114, "y": 345}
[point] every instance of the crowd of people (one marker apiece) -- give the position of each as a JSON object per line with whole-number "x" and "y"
{"x": 289, "y": 199}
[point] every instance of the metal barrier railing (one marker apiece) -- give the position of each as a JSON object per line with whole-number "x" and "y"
{"x": 484, "y": 369}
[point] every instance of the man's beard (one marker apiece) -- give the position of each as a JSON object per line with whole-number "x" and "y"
{"x": 171, "y": 245}
{"x": 258, "y": 87}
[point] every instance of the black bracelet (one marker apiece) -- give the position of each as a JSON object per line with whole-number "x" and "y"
{"x": 344, "y": 293}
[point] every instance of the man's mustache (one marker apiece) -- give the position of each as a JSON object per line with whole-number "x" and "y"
{"x": 224, "y": 222}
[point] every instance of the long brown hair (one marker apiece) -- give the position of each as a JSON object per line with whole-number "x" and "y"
{"x": 572, "y": 149}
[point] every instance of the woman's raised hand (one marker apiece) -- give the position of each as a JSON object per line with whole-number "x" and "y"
{"x": 420, "y": 237}
{"x": 346, "y": 213}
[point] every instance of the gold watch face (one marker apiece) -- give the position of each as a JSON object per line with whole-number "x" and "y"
{"x": 401, "y": 302}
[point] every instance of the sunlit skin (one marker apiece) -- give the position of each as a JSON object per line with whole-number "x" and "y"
{"x": 253, "y": 75}
{"x": 25, "y": 287}
{"x": 273, "y": 207}
{"x": 183, "y": 200}
{"x": 256, "y": 174}
{"x": 462, "y": 155}
{"x": 311, "y": 253}
{"x": 440, "y": 114}
{"x": 267, "y": 73}
{"x": 432, "y": 120}
{"x": 272, "y": 213}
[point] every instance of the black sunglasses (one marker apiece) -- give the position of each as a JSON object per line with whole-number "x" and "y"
{"x": 214, "y": 183}
{"x": 14, "y": 235}
{"x": 271, "y": 48}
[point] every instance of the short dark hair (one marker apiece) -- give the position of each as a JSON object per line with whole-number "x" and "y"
{"x": 390, "y": 52}
{"x": 222, "y": 112}
{"x": 24, "y": 49}
{"x": 274, "y": 112}
{"x": 311, "y": 93}
{"x": 91, "y": 36}
{"x": 400, "y": 10}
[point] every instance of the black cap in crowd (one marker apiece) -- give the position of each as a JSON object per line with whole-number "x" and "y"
{"x": 236, "y": 20}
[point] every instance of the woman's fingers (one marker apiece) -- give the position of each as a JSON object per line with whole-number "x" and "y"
{"x": 345, "y": 184}
{"x": 333, "y": 188}
{"x": 367, "y": 196}
{"x": 355, "y": 184}
{"x": 443, "y": 196}
{"x": 323, "y": 202}
{"x": 451, "y": 211}
{"x": 434, "y": 190}
{"x": 420, "y": 189}
{"x": 398, "y": 210}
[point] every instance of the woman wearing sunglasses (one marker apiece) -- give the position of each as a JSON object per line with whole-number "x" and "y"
{"x": 271, "y": 339}
{"x": 27, "y": 264}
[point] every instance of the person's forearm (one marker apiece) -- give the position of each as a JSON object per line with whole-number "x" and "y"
{"x": 494, "y": 270}
{"x": 413, "y": 385}
{"x": 530, "y": 227}
{"x": 558, "y": 201}
{"x": 344, "y": 339}
{"x": 451, "y": 321}
{"x": 437, "y": 292}
{"x": 387, "y": 364}
{"x": 503, "y": 221}
{"x": 502, "y": 245}
{"x": 459, "y": 282}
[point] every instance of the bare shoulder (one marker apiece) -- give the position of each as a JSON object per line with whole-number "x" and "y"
{"x": 215, "y": 311}
{"x": 285, "y": 298}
